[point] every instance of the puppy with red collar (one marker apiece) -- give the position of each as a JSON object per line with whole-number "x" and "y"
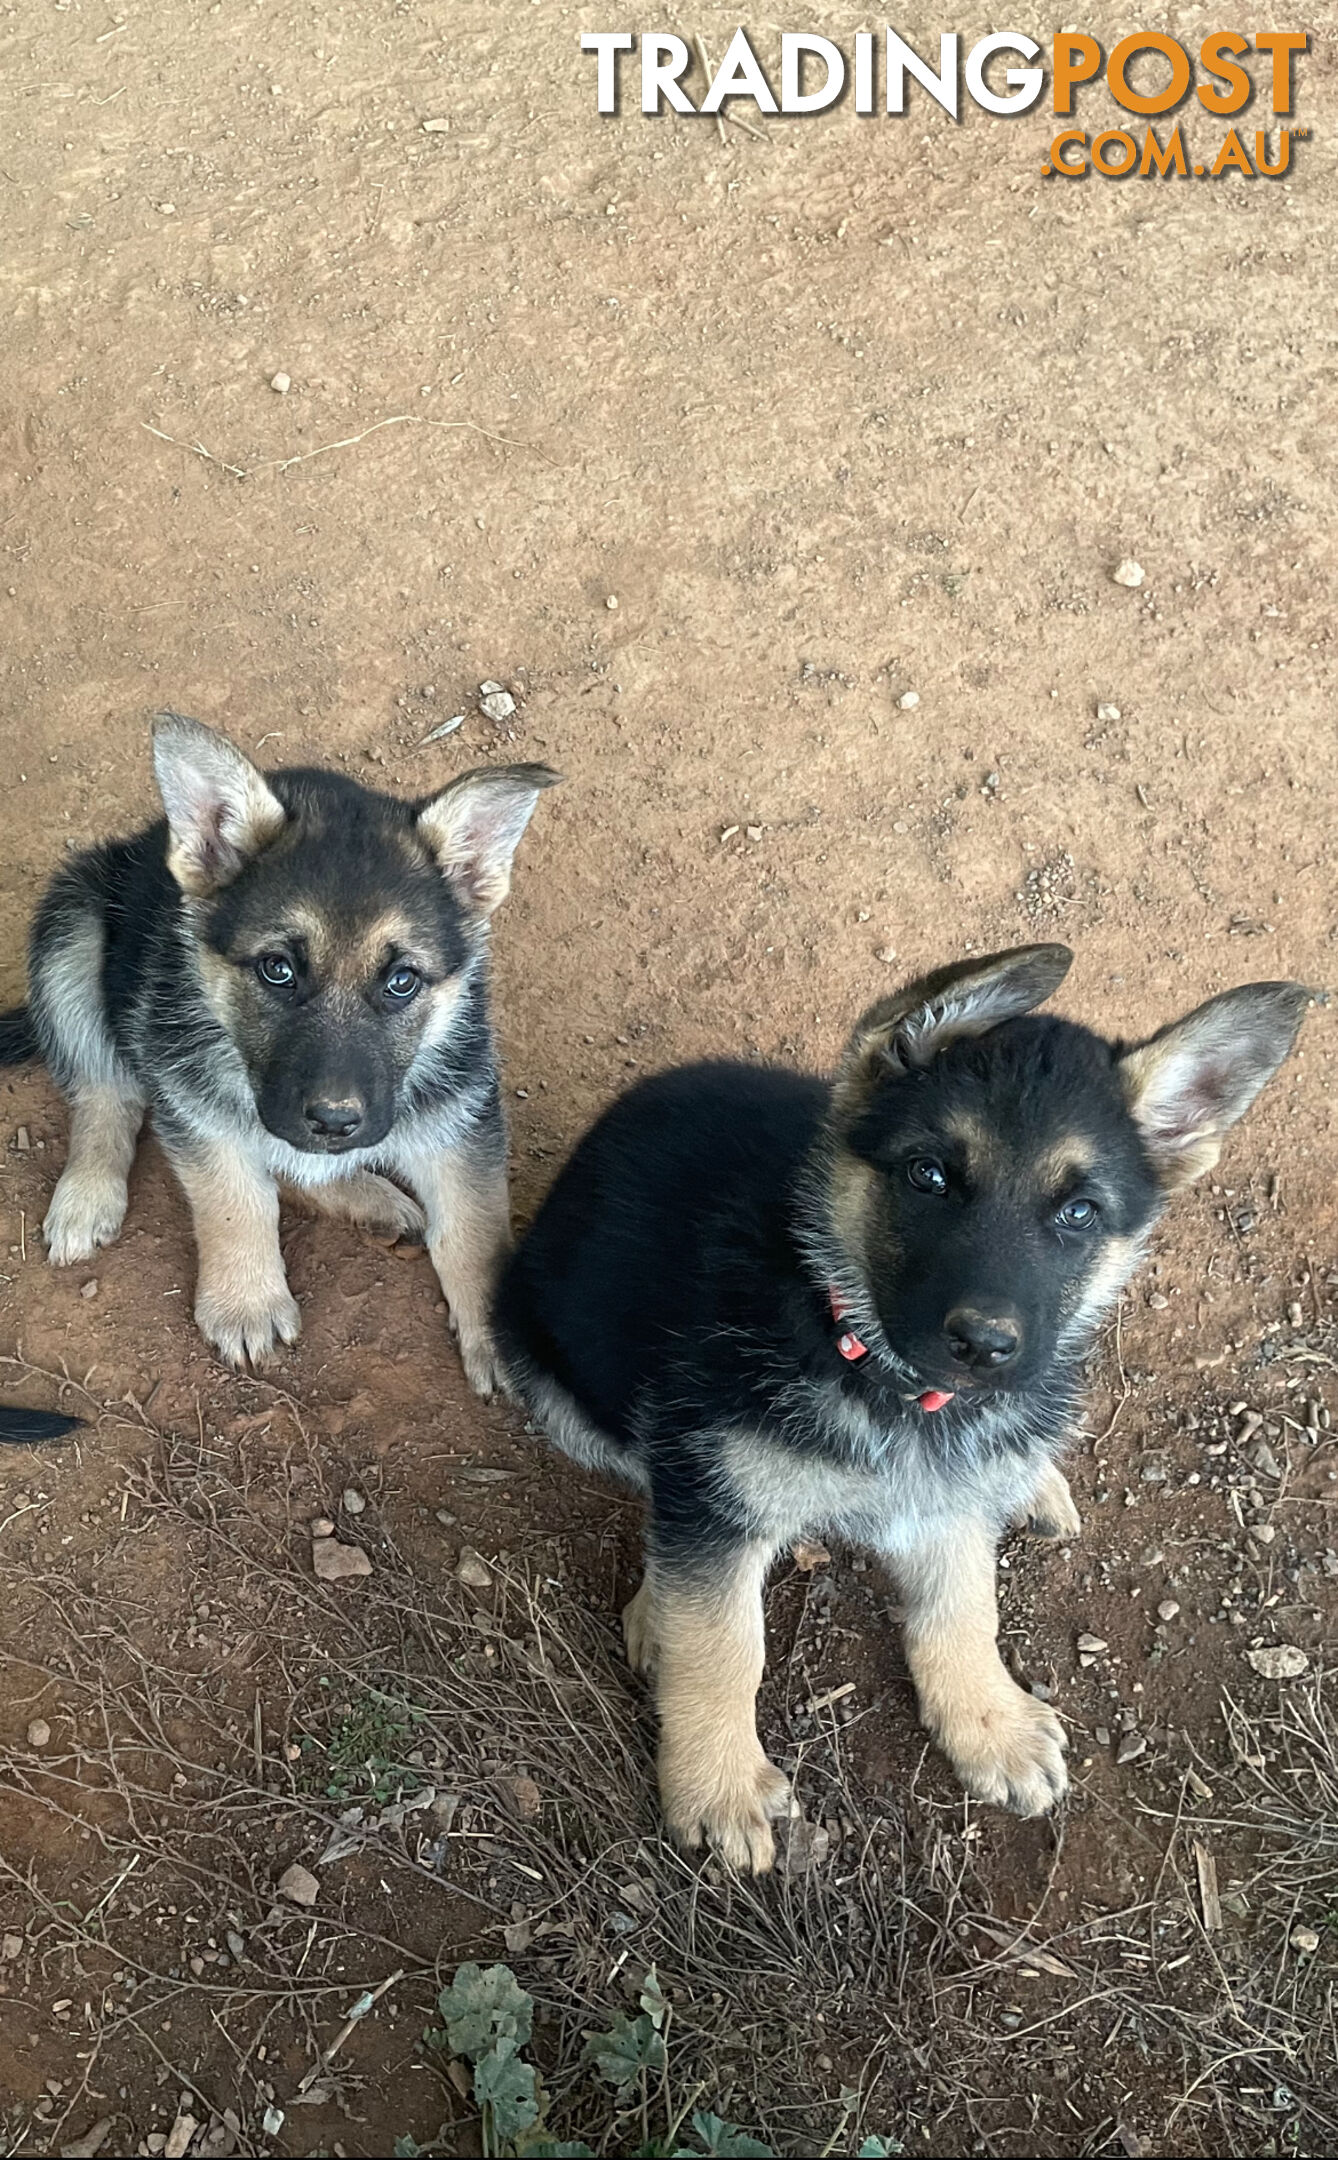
{"x": 783, "y": 1307}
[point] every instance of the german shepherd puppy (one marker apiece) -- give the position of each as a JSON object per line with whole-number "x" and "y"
{"x": 783, "y": 1307}
{"x": 290, "y": 971}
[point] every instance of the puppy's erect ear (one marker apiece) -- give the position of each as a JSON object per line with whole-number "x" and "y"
{"x": 909, "y": 1028}
{"x": 1190, "y": 1083}
{"x": 474, "y": 826}
{"x": 220, "y": 812}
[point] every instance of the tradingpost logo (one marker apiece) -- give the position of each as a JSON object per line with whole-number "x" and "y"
{"x": 1149, "y": 75}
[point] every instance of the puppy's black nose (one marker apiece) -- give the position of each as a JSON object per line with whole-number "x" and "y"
{"x": 335, "y": 1120}
{"x": 982, "y": 1341}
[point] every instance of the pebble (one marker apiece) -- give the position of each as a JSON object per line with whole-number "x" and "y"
{"x": 1101, "y": 1735}
{"x": 11, "y": 1947}
{"x": 354, "y": 1503}
{"x": 1107, "y": 712}
{"x": 1278, "y": 1661}
{"x": 1263, "y": 1458}
{"x": 1158, "y": 1300}
{"x": 1168, "y": 1609}
{"x": 612, "y": 603}
{"x": 321, "y": 1526}
{"x": 908, "y": 700}
{"x": 298, "y": 1885}
{"x": 1264, "y": 1531}
{"x": 39, "y": 1732}
{"x": 524, "y": 1796}
{"x": 281, "y": 384}
{"x": 334, "y": 1562}
{"x": 887, "y": 954}
{"x": 1131, "y": 1747}
{"x": 1092, "y": 1645}
{"x": 472, "y": 1570}
{"x": 90, "y": 1288}
{"x": 1128, "y": 572}
{"x": 21, "y": 1140}
{"x": 808, "y": 1554}
{"x": 436, "y": 127}
{"x": 1304, "y": 1940}
{"x": 495, "y": 702}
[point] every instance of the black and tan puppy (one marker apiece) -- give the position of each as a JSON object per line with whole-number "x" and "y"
{"x": 783, "y": 1307}
{"x": 290, "y": 972}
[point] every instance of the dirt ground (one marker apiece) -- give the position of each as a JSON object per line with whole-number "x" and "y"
{"x": 834, "y": 412}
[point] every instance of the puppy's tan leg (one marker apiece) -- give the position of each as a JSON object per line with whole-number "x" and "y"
{"x": 1050, "y": 1512}
{"x": 706, "y": 1633}
{"x": 372, "y": 1203}
{"x": 242, "y": 1301}
{"x": 469, "y": 1236}
{"x": 1005, "y": 1745}
{"x": 88, "y": 1205}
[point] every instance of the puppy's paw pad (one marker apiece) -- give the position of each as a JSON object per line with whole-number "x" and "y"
{"x": 81, "y": 1220}
{"x": 247, "y": 1331}
{"x": 734, "y": 1818}
{"x": 1011, "y": 1753}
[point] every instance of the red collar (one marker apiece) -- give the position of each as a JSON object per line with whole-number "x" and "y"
{"x": 854, "y": 1351}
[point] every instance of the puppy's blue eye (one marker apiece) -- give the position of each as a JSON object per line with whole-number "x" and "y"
{"x": 403, "y": 983}
{"x": 1076, "y": 1215}
{"x": 926, "y": 1175}
{"x": 277, "y": 972}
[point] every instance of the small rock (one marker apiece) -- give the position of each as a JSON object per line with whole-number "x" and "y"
{"x": 444, "y": 1517}
{"x": 1304, "y": 1940}
{"x": 179, "y": 2136}
{"x": 1158, "y": 1300}
{"x": 1101, "y": 1735}
{"x": 524, "y": 1796}
{"x": 436, "y": 127}
{"x": 322, "y": 1526}
{"x": 908, "y": 700}
{"x": 1278, "y": 1661}
{"x": 334, "y": 1562}
{"x": 281, "y": 384}
{"x": 154, "y": 2142}
{"x": 1168, "y": 1609}
{"x": 1264, "y": 1531}
{"x": 754, "y": 832}
{"x": 1128, "y": 572}
{"x": 354, "y": 1503}
{"x": 472, "y": 1570}
{"x": 272, "y": 2122}
{"x": 1092, "y": 1644}
{"x": 1263, "y": 1458}
{"x": 11, "y": 1947}
{"x": 1131, "y": 1747}
{"x": 21, "y": 1140}
{"x": 1107, "y": 712}
{"x": 612, "y": 603}
{"x": 887, "y": 954}
{"x": 495, "y": 702}
{"x": 298, "y": 1885}
{"x": 1249, "y": 1424}
{"x": 808, "y": 1554}
{"x": 39, "y": 1732}
{"x": 90, "y": 1288}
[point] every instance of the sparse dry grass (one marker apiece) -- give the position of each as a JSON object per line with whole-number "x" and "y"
{"x": 197, "y": 1765}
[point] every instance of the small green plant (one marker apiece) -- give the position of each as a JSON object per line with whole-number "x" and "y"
{"x": 487, "y": 2019}
{"x": 365, "y": 1755}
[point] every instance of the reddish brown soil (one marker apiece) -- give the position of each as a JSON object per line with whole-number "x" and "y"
{"x": 861, "y": 409}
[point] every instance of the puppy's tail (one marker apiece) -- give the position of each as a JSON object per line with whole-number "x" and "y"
{"x": 24, "y": 1428}
{"x": 18, "y": 1038}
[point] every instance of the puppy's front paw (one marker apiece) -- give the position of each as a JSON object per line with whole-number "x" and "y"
{"x": 730, "y": 1803}
{"x": 641, "y": 1631}
{"x": 477, "y": 1355}
{"x": 1006, "y": 1746}
{"x": 85, "y": 1213}
{"x": 1051, "y": 1513}
{"x": 246, "y": 1328}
